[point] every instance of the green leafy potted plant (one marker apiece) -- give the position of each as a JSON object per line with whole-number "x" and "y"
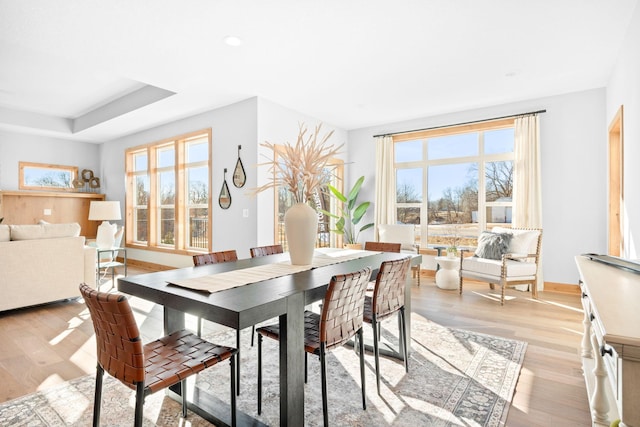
{"x": 351, "y": 214}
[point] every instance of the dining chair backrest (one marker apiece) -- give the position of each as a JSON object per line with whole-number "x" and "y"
{"x": 215, "y": 257}
{"x": 382, "y": 246}
{"x": 266, "y": 250}
{"x": 343, "y": 307}
{"x": 388, "y": 294}
{"x": 119, "y": 346}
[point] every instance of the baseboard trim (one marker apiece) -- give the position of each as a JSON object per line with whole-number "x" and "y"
{"x": 563, "y": 288}
{"x": 148, "y": 265}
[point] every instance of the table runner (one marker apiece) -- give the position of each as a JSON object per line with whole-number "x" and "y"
{"x": 231, "y": 279}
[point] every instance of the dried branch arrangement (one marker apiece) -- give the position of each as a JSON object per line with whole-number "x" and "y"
{"x": 300, "y": 168}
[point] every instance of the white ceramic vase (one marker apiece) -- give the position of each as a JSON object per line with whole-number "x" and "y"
{"x": 301, "y": 228}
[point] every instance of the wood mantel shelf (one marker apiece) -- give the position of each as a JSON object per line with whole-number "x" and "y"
{"x": 29, "y": 207}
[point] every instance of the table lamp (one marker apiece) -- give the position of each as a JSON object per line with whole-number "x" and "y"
{"x": 105, "y": 211}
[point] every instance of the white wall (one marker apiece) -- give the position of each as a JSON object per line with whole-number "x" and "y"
{"x": 624, "y": 89}
{"x": 573, "y": 150}
{"x": 231, "y": 126}
{"x": 18, "y": 147}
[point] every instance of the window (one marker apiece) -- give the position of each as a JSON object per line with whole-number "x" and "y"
{"x": 452, "y": 183}
{"x": 41, "y": 176}
{"x": 333, "y": 176}
{"x": 168, "y": 197}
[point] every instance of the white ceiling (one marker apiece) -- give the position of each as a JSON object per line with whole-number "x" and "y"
{"x": 95, "y": 70}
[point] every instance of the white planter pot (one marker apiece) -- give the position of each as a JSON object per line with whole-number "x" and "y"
{"x": 301, "y": 229}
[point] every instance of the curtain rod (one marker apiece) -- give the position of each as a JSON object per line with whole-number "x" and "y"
{"x": 460, "y": 124}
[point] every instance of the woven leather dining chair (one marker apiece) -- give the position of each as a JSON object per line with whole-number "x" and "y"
{"x": 150, "y": 367}
{"x": 387, "y": 299}
{"x": 216, "y": 258}
{"x": 382, "y": 246}
{"x": 261, "y": 251}
{"x": 266, "y": 250}
{"x": 340, "y": 320}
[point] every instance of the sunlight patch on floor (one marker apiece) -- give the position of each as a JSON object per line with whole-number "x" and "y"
{"x": 557, "y": 304}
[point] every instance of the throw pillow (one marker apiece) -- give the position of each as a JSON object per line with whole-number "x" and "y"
{"x": 523, "y": 242}
{"x": 493, "y": 245}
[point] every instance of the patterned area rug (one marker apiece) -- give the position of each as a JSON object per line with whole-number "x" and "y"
{"x": 456, "y": 378}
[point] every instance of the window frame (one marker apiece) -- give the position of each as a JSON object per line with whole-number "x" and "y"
{"x": 181, "y": 205}
{"x": 72, "y": 171}
{"x": 481, "y": 159}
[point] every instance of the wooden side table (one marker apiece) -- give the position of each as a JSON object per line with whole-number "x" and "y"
{"x": 447, "y": 277}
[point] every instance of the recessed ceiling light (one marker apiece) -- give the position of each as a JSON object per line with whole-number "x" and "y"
{"x": 233, "y": 41}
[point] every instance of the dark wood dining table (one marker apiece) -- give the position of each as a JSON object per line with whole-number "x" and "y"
{"x": 284, "y": 298}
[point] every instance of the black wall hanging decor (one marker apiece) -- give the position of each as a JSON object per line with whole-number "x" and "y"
{"x": 239, "y": 176}
{"x": 224, "y": 200}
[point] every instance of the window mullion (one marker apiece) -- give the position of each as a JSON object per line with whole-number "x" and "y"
{"x": 482, "y": 191}
{"x": 179, "y": 240}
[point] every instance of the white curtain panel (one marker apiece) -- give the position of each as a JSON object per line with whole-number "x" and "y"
{"x": 385, "y": 207}
{"x": 527, "y": 186}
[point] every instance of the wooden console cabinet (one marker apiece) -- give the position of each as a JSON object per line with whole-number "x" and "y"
{"x": 611, "y": 341}
{"x": 29, "y": 207}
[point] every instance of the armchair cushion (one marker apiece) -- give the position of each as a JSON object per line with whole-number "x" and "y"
{"x": 492, "y": 269}
{"x": 493, "y": 245}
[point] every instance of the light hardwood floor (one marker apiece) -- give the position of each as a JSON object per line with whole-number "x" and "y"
{"x": 47, "y": 345}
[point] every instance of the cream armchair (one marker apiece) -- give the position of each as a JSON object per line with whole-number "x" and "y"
{"x": 505, "y": 257}
{"x": 405, "y": 234}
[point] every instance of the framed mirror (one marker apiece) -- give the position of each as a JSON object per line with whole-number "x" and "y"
{"x": 224, "y": 199}
{"x": 239, "y": 175}
{"x": 42, "y": 176}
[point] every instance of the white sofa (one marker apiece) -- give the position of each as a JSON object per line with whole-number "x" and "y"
{"x": 43, "y": 263}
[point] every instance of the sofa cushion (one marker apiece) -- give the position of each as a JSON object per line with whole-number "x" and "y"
{"x": 5, "y": 233}
{"x": 492, "y": 267}
{"x": 44, "y": 231}
{"x": 493, "y": 245}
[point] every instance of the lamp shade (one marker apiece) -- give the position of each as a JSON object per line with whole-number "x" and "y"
{"x": 104, "y": 211}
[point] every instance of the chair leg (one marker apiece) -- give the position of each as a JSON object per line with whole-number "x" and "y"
{"x": 199, "y": 327}
{"x": 376, "y": 354}
{"x": 253, "y": 332}
{"x": 460, "y": 286}
{"x": 323, "y": 378}
{"x": 97, "y": 401}
{"x": 306, "y": 370}
{"x": 259, "y": 374}
{"x": 418, "y": 276}
{"x": 361, "y": 341}
{"x": 502, "y": 294}
{"x": 234, "y": 381}
{"x": 139, "y": 404}
{"x": 403, "y": 340}
{"x": 183, "y": 390}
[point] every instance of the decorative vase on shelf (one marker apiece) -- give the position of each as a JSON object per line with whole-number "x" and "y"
{"x": 301, "y": 229}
